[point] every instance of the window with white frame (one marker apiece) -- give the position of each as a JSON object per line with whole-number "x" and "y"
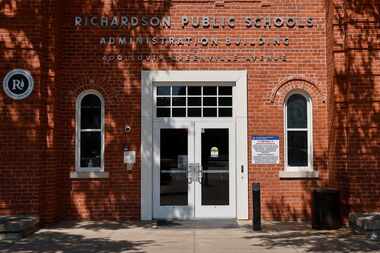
{"x": 193, "y": 101}
{"x": 298, "y": 132}
{"x": 90, "y": 131}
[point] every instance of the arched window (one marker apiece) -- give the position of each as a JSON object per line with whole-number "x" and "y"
{"x": 90, "y": 132}
{"x": 298, "y": 132}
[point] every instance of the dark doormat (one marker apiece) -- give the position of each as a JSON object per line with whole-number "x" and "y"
{"x": 198, "y": 224}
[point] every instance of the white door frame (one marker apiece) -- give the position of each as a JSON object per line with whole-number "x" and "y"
{"x": 210, "y": 211}
{"x": 170, "y": 212}
{"x": 236, "y": 78}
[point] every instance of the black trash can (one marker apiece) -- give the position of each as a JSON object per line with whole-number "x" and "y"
{"x": 326, "y": 209}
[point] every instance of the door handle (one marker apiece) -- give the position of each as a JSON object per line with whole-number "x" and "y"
{"x": 189, "y": 174}
{"x": 242, "y": 169}
{"x": 194, "y": 173}
{"x": 199, "y": 174}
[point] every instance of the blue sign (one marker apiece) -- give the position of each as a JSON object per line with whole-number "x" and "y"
{"x": 266, "y": 138}
{"x": 18, "y": 84}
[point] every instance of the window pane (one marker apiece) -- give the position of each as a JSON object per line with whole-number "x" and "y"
{"x": 179, "y": 90}
{"x": 209, "y": 112}
{"x": 163, "y": 112}
{"x": 173, "y": 157}
{"x": 194, "y": 101}
{"x": 225, "y": 90}
{"x": 209, "y": 90}
{"x": 194, "y": 90}
{"x": 91, "y": 100}
{"x": 297, "y": 148}
{"x": 225, "y": 112}
{"x": 179, "y": 101}
{"x": 90, "y": 146}
{"x": 173, "y": 149}
{"x": 163, "y": 90}
{"x": 225, "y": 101}
{"x": 163, "y": 101}
{"x": 297, "y": 111}
{"x": 91, "y": 112}
{"x": 179, "y": 112}
{"x": 215, "y": 166}
{"x": 187, "y": 101}
{"x": 194, "y": 112}
{"x": 209, "y": 101}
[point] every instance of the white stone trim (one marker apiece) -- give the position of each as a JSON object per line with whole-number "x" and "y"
{"x": 298, "y": 174}
{"x": 84, "y": 175}
{"x": 148, "y": 80}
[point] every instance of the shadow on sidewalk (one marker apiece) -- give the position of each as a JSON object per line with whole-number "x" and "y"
{"x": 303, "y": 238}
{"x": 52, "y": 242}
{"x": 113, "y": 237}
{"x": 101, "y": 225}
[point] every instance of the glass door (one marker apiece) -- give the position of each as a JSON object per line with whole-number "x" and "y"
{"x": 194, "y": 170}
{"x": 173, "y": 181}
{"x": 215, "y": 178}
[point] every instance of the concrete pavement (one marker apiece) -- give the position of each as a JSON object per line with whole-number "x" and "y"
{"x": 113, "y": 237}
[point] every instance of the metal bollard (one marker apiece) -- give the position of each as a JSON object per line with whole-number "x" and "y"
{"x": 256, "y": 218}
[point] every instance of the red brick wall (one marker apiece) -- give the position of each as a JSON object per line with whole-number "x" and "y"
{"x": 82, "y": 67}
{"x": 28, "y": 158}
{"x": 357, "y": 96}
{"x": 119, "y": 82}
{"x": 66, "y": 60}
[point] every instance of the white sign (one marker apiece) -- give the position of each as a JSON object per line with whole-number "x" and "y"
{"x": 214, "y": 152}
{"x": 265, "y": 150}
{"x": 129, "y": 157}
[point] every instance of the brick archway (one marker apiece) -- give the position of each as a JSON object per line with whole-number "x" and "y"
{"x": 280, "y": 91}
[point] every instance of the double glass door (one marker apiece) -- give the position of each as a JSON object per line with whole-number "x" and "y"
{"x": 194, "y": 170}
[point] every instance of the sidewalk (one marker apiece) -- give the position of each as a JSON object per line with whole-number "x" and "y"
{"x": 112, "y": 237}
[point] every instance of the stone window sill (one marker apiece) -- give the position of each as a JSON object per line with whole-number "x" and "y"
{"x": 298, "y": 174}
{"x": 88, "y": 174}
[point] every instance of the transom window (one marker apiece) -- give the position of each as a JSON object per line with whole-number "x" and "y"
{"x": 193, "y": 101}
{"x": 90, "y": 131}
{"x": 298, "y": 134}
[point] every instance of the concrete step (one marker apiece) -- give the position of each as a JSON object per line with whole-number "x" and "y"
{"x": 17, "y": 227}
{"x": 367, "y": 223}
{"x": 198, "y": 224}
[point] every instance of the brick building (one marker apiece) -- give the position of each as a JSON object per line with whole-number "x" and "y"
{"x": 172, "y": 109}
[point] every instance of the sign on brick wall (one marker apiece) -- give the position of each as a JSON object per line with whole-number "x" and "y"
{"x": 195, "y": 33}
{"x": 265, "y": 150}
{"x": 18, "y": 84}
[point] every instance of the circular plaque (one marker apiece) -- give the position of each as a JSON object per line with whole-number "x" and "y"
{"x": 18, "y": 84}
